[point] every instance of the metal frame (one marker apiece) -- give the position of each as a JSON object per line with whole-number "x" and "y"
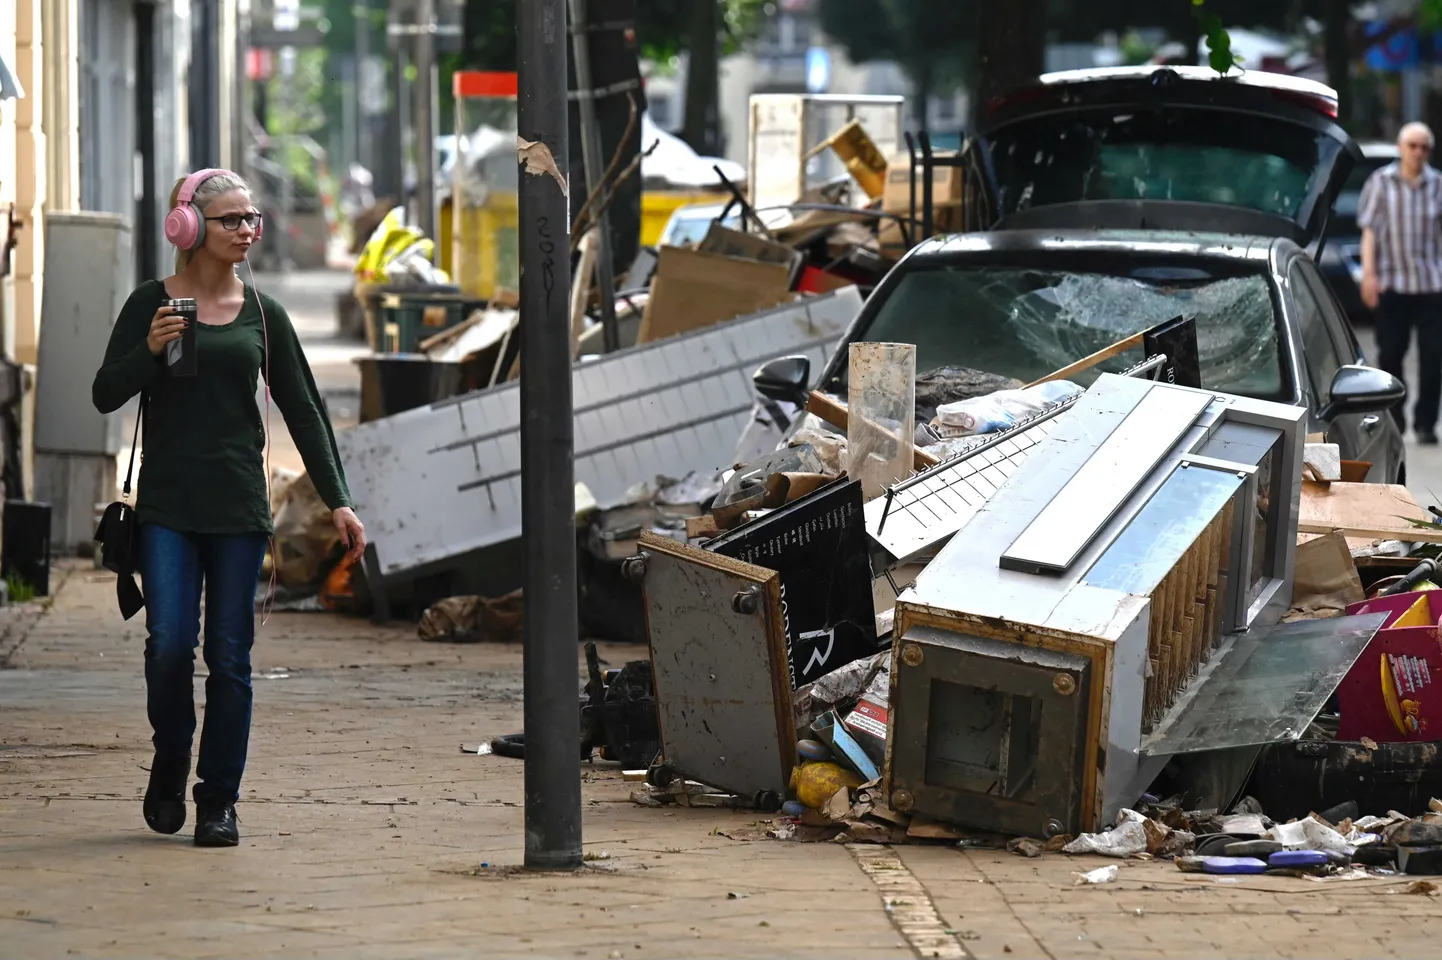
{"x": 717, "y": 632}
{"x": 1061, "y": 682}
{"x": 890, "y": 142}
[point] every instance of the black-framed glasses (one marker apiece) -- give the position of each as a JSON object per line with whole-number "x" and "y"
{"x": 232, "y": 221}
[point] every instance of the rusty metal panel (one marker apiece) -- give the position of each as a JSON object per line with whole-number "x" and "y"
{"x": 718, "y": 655}
{"x": 440, "y": 481}
{"x": 988, "y": 734}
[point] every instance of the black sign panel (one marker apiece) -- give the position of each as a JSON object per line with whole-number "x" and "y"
{"x": 1177, "y": 338}
{"x": 818, "y": 546}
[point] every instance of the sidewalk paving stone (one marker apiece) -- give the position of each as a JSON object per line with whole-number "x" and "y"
{"x": 365, "y": 827}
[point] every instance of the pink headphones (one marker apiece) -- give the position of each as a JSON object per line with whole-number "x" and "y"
{"x": 185, "y": 224}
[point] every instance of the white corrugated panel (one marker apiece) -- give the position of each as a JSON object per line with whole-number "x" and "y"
{"x": 439, "y": 481}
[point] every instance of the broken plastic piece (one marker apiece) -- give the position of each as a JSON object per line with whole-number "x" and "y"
{"x": 1298, "y": 858}
{"x": 1233, "y": 865}
{"x": 829, "y": 728}
{"x": 1311, "y": 834}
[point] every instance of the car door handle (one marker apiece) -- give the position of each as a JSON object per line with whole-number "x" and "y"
{"x": 1371, "y": 422}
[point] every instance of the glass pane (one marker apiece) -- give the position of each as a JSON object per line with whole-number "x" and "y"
{"x": 1195, "y": 155}
{"x": 1268, "y": 687}
{"x": 1262, "y": 547}
{"x": 1160, "y": 534}
{"x": 1026, "y": 323}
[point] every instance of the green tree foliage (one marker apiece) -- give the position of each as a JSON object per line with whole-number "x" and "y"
{"x": 706, "y": 29}
{"x": 934, "y": 41}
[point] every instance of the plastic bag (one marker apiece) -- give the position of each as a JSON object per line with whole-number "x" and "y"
{"x": 1000, "y": 410}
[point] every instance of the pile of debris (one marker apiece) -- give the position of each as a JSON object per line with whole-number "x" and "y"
{"x": 1014, "y": 646}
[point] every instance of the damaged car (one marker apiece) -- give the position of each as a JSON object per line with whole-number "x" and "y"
{"x": 1101, "y": 203}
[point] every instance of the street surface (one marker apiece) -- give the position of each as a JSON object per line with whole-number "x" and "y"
{"x": 367, "y": 832}
{"x": 365, "y": 829}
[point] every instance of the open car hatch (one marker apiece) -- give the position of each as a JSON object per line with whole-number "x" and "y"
{"x": 1174, "y": 148}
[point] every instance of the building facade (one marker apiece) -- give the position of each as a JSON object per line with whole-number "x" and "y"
{"x": 111, "y": 91}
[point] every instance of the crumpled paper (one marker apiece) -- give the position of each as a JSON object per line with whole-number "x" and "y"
{"x": 1099, "y": 875}
{"x": 1133, "y": 836}
{"x": 1311, "y": 834}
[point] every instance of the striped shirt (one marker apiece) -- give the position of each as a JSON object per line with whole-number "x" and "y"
{"x": 1407, "y": 219}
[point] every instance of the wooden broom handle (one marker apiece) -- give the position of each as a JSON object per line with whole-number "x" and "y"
{"x": 1086, "y": 363}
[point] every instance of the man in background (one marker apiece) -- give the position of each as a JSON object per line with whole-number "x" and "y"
{"x": 1401, "y": 219}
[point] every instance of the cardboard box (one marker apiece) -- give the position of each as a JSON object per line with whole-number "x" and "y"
{"x": 1393, "y": 692}
{"x": 734, "y": 243}
{"x": 692, "y": 289}
{"x": 945, "y": 185}
{"x": 945, "y": 203}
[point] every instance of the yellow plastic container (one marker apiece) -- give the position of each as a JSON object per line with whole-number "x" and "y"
{"x": 444, "y": 226}
{"x": 815, "y": 783}
{"x": 487, "y": 258}
{"x": 481, "y": 228}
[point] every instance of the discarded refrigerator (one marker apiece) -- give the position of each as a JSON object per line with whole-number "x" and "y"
{"x": 1113, "y": 604}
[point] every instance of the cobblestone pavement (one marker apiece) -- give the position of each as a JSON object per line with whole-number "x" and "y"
{"x": 365, "y": 828}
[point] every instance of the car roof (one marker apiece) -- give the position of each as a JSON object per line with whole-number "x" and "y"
{"x": 1228, "y": 246}
{"x": 1249, "y": 78}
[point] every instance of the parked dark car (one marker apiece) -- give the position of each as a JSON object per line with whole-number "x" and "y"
{"x": 1026, "y": 302}
{"x": 1103, "y": 202}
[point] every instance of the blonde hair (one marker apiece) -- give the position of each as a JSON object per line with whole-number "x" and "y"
{"x": 205, "y": 194}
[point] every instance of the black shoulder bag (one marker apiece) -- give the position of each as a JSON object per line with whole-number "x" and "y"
{"x": 118, "y": 535}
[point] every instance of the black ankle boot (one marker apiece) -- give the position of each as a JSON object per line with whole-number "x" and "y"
{"x": 215, "y": 826}
{"x": 164, "y": 805}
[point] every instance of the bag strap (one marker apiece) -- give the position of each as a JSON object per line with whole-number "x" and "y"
{"x": 135, "y": 442}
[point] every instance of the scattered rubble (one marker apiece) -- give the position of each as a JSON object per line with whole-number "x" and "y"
{"x": 903, "y": 570}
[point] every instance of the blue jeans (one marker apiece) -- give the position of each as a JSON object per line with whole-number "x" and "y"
{"x": 173, "y": 568}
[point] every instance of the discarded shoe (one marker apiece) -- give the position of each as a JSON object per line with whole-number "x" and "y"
{"x": 216, "y": 826}
{"x": 164, "y": 804}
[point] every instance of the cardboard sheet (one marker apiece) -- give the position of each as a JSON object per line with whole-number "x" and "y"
{"x": 1365, "y": 513}
{"x": 692, "y": 290}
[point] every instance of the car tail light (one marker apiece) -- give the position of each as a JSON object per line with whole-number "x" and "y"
{"x": 1312, "y": 101}
{"x": 1024, "y": 95}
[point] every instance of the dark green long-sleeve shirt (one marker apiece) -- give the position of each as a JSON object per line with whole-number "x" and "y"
{"x": 202, "y": 469}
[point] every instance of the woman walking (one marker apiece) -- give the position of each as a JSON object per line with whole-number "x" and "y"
{"x": 203, "y": 508}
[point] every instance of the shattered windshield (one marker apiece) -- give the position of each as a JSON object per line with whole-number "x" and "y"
{"x": 1027, "y": 323}
{"x": 1200, "y": 156}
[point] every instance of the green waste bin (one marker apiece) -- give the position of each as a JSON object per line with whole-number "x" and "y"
{"x": 407, "y": 319}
